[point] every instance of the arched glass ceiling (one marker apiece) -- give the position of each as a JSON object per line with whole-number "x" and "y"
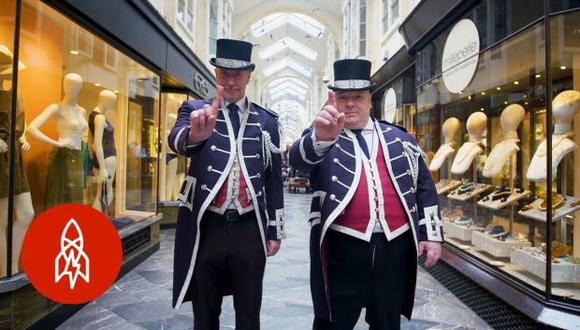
{"x": 288, "y": 62}
{"x": 274, "y": 21}
{"x": 289, "y": 93}
{"x": 288, "y": 86}
{"x": 288, "y": 43}
{"x": 290, "y": 118}
{"x": 293, "y": 80}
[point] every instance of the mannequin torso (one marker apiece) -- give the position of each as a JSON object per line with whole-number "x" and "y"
{"x": 444, "y": 151}
{"x": 469, "y": 151}
{"x": 465, "y": 157}
{"x": 565, "y": 105}
{"x": 499, "y": 156}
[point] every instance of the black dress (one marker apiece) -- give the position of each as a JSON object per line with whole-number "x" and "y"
{"x": 20, "y": 182}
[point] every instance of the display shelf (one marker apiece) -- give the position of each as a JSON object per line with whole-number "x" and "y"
{"x": 498, "y": 204}
{"x": 495, "y": 247}
{"x": 444, "y": 186}
{"x": 562, "y": 272}
{"x": 460, "y": 232}
{"x": 572, "y": 205}
{"x": 480, "y": 188}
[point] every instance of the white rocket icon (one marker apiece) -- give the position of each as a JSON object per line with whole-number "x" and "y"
{"x": 71, "y": 260}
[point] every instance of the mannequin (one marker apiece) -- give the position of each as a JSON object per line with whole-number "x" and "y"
{"x": 64, "y": 183}
{"x": 565, "y": 106}
{"x": 104, "y": 155}
{"x": 450, "y": 128}
{"x": 510, "y": 119}
{"x": 23, "y": 209}
{"x": 476, "y": 124}
{"x": 171, "y": 161}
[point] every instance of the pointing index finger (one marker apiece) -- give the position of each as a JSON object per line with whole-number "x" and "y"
{"x": 331, "y": 99}
{"x": 215, "y": 104}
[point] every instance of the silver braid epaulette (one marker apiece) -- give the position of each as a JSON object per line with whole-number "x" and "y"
{"x": 413, "y": 149}
{"x": 269, "y": 146}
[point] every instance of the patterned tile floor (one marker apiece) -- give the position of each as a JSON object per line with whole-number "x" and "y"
{"x": 142, "y": 298}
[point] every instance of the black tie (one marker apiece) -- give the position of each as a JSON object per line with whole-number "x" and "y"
{"x": 234, "y": 117}
{"x": 361, "y": 141}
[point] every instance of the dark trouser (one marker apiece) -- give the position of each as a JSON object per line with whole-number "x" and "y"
{"x": 371, "y": 274}
{"x": 229, "y": 253}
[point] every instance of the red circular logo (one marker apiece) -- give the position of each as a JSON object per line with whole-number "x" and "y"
{"x": 72, "y": 253}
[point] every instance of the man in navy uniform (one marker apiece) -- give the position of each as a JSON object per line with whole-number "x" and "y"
{"x": 231, "y": 203}
{"x": 374, "y": 208}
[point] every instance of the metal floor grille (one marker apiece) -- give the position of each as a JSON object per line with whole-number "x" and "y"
{"x": 497, "y": 313}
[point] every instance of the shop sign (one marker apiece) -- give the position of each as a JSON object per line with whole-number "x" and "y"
{"x": 460, "y": 56}
{"x": 201, "y": 84}
{"x": 390, "y": 105}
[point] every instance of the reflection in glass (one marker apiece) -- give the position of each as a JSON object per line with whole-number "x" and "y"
{"x": 172, "y": 168}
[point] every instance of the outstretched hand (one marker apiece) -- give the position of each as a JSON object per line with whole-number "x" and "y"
{"x": 329, "y": 122}
{"x": 202, "y": 121}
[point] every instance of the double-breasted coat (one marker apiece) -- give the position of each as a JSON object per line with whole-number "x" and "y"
{"x": 335, "y": 176}
{"x": 211, "y": 162}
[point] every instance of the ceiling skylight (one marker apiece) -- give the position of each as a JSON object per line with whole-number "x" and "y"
{"x": 274, "y": 21}
{"x": 290, "y": 43}
{"x": 294, "y": 80}
{"x": 290, "y": 93}
{"x": 288, "y": 85}
{"x": 287, "y": 62}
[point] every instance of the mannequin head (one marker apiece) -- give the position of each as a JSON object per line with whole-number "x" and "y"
{"x": 564, "y": 108}
{"x": 107, "y": 100}
{"x": 450, "y": 128}
{"x": 510, "y": 119}
{"x": 476, "y": 125}
{"x": 72, "y": 85}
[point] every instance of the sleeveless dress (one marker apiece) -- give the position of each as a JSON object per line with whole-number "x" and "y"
{"x": 108, "y": 138}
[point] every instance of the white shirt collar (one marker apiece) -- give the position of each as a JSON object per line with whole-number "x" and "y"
{"x": 370, "y": 125}
{"x": 242, "y": 104}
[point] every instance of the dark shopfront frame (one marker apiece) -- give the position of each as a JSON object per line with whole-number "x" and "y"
{"x": 151, "y": 42}
{"x": 418, "y": 30}
{"x": 399, "y": 67}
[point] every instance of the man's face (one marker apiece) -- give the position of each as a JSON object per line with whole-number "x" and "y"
{"x": 234, "y": 83}
{"x": 356, "y": 107}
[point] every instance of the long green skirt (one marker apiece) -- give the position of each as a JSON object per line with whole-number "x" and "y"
{"x": 64, "y": 182}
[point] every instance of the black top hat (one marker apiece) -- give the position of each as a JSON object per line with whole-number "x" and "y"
{"x": 233, "y": 54}
{"x": 352, "y": 75}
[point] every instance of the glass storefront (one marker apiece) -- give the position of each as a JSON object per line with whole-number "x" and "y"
{"x": 7, "y": 29}
{"x": 565, "y": 68}
{"x": 90, "y": 116}
{"x": 487, "y": 151}
{"x": 173, "y": 167}
{"x": 398, "y": 102}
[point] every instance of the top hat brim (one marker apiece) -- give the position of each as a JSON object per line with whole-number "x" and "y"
{"x": 338, "y": 89}
{"x": 250, "y": 66}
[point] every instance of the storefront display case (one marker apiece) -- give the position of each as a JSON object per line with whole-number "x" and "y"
{"x": 82, "y": 120}
{"x": 501, "y": 147}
